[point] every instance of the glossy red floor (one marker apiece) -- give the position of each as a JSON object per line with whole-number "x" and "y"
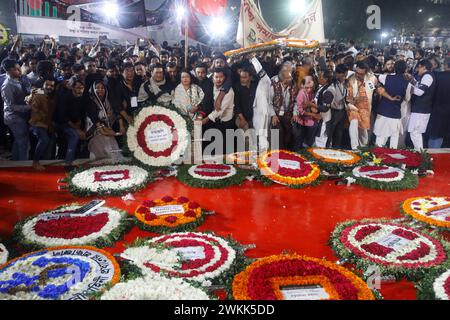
{"x": 274, "y": 218}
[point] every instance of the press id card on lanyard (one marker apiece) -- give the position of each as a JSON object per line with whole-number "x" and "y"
{"x": 134, "y": 102}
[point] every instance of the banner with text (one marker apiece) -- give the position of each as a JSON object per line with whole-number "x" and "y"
{"x": 253, "y": 29}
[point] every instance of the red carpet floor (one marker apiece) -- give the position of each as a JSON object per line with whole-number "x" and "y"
{"x": 274, "y": 218}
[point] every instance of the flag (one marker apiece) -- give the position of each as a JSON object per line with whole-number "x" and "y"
{"x": 196, "y": 30}
{"x": 209, "y": 7}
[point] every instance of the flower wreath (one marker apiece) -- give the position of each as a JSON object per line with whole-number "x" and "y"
{"x": 3, "y": 254}
{"x": 288, "y": 168}
{"x": 211, "y": 176}
{"x": 200, "y": 258}
{"x": 435, "y": 286}
{"x": 59, "y": 273}
{"x": 159, "y": 136}
{"x": 397, "y": 157}
{"x": 63, "y": 227}
{"x": 398, "y": 250}
{"x": 295, "y": 277}
{"x": 384, "y": 178}
{"x": 155, "y": 288}
{"x": 168, "y": 215}
{"x": 333, "y": 160}
{"x": 434, "y": 211}
{"x": 113, "y": 180}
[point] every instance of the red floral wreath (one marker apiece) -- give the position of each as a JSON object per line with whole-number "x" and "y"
{"x": 141, "y": 136}
{"x": 412, "y": 159}
{"x": 376, "y": 249}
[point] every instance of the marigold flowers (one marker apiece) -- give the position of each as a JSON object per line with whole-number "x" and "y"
{"x": 169, "y": 214}
{"x": 265, "y": 278}
{"x": 288, "y": 168}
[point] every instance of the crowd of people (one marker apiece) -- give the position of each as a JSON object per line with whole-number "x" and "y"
{"x": 76, "y": 101}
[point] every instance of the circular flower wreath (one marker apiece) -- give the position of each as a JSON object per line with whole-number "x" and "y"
{"x": 290, "y": 276}
{"x": 60, "y": 273}
{"x": 383, "y": 178}
{"x": 408, "y": 158}
{"x": 333, "y": 160}
{"x": 211, "y": 176}
{"x": 3, "y": 254}
{"x": 288, "y": 168}
{"x": 398, "y": 250}
{"x": 114, "y": 180}
{"x": 159, "y": 136}
{"x": 168, "y": 215}
{"x": 155, "y": 288}
{"x": 434, "y": 211}
{"x": 63, "y": 227}
{"x": 201, "y": 258}
{"x": 435, "y": 286}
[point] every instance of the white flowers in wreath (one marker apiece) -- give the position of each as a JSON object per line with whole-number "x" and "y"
{"x": 439, "y": 286}
{"x": 224, "y": 173}
{"x": 3, "y": 254}
{"x": 377, "y": 175}
{"x": 211, "y": 264}
{"x": 117, "y": 178}
{"x": 155, "y": 288}
{"x": 29, "y": 232}
{"x": 159, "y": 136}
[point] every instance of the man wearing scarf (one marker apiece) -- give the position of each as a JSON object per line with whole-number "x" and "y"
{"x": 361, "y": 87}
{"x": 283, "y": 96}
{"x": 157, "y": 89}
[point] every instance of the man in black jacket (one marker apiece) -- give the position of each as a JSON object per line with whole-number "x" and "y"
{"x": 244, "y": 98}
{"x": 207, "y": 105}
{"x": 70, "y": 117}
{"x": 422, "y": 102}
{"x": 439, "y": 128}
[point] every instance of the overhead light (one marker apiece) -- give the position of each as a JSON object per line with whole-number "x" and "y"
{"x": 298, "y": 6}
{"x": 218, "y": 26}
{"x": 430, "y": 19}
{"x": 110, "y": 9}
{"x": 181, "y": 12}
{"x": 384, "y": 35}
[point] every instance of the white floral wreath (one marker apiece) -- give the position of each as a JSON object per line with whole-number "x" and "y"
{"x": 192, "y": 171}
{"x": 169, "y": 260}
{"x": 3, "y": 254}
{"x": 109, "y": 178}
{"x": 158, "y": 136}
{"x": 382, "y": 238}
{"x": 28, "y": 233}
{"x": 68, "y": 273}
{"x": 155, "y": 288}
{"x": 439, "y": 286}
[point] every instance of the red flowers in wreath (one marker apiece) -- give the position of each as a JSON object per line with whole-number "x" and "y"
{"x": 398, "y": 157}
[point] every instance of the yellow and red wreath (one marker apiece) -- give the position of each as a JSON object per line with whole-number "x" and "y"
{"x": 169, "y": 215}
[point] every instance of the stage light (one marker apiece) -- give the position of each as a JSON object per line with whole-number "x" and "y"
{"x": 298, "y": 6}
{"x": 430, "y": 19}
{"x": 110, "y": 9}
{"x": 181, "y": 12}
{"x": 384, "y": 35}
{"x": 218, "y": 27}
